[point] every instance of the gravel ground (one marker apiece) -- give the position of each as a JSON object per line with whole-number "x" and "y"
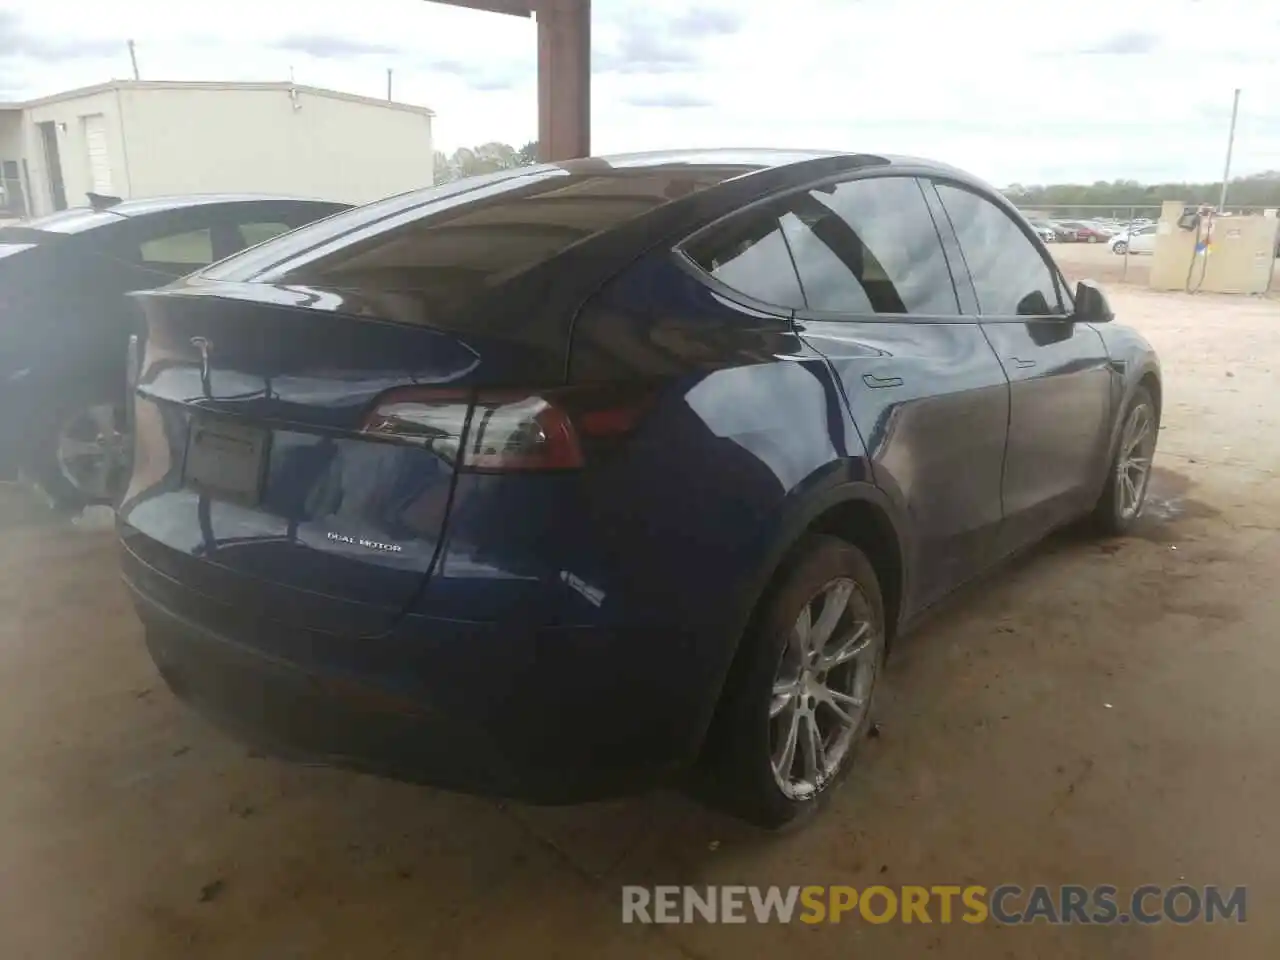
{"x": 1101, "y": 713}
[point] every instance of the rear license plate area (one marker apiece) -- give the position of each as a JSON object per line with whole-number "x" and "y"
{"x": 226, "y": 460}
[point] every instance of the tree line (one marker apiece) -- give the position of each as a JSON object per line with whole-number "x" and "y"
{"x": 1255, "y": 190}
{"x": 486, "y": 158}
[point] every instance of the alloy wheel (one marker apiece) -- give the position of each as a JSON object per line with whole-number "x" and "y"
{"x": 822, "y": 688}
{"x": 93, "y": 449}
{"x": 1133, "y": 465}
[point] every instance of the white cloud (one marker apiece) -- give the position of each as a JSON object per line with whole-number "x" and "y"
{"x": 1062, "y": 89}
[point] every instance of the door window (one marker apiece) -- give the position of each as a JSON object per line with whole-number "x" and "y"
{"x": 1010, "y": 275}
{"x": 870, "y": 246}
{"x": 192, "y": 248}
{"x": 252, "y": 234}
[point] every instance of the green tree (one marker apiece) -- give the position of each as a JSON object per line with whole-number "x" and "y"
{"x": 485, "y": 158}
{"x": 528, "y": 154}
{"x": 440, "y": 167}
{"x": 1070, "y": 199}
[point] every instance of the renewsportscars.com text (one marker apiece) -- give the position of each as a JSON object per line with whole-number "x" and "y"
{"x": 1005, "y": 904}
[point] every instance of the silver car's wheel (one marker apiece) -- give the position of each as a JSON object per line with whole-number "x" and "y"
{"x": 1120, "y": 248}
{"x": 1133, "y": 464}
{"x": 92, "y": 451}
{"x": 822, "y": 688}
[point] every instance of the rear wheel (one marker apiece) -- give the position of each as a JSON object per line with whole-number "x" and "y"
{"x": 799, "y": 701}
{"x": 81, "y": 456}
{"x": 1126, "y": 490}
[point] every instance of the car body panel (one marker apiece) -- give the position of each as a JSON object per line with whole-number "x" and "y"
{"x": 927, "y": 396}
{"x": 306, "y": 379}
{"x": 1060, "y": 418}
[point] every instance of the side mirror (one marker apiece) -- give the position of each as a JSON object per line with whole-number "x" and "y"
{"x": 1092, "y": 305}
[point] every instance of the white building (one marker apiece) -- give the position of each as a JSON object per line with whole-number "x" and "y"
{"x": 141, "y": 138}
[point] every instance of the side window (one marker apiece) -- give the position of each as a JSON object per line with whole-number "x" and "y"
{"x": 192, "y": 248}
{"x": 870, "y": 246}
{"x": 252, "y": 234}
{"x": 749, "y": 254}
{"x": 1010, "y": 276}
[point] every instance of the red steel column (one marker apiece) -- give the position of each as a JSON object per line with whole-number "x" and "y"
{"x": 564, "y": 78}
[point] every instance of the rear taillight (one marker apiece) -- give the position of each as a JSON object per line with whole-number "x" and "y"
{"x": 500, "y": 431}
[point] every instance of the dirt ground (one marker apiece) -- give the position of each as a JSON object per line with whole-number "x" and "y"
{"x": 1100, "y": 713}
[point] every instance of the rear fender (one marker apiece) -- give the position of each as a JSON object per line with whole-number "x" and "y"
{"x": 819, "y": 495}
{"x": 822, "y": 492}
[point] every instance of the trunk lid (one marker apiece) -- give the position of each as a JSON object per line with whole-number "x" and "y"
{"x": 252, "y": 483}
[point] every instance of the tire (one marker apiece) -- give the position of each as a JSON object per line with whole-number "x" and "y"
{"x": 64, "y": 476}
{"x": 1092, "y": 239}
{"x": 1121, "y": 503}
{"x": 746, "y": 767}
{"x": 1120, "y": 248}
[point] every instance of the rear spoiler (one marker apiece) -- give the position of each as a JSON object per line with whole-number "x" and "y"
{"x": 102, "y": 201}
{"x": 21, "y": 234}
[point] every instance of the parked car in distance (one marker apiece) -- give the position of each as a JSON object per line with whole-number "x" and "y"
{"x": 1065, "y": 233}
{"x": 65, "y": 322}
{"x": 1137, "y": 240}
{"x": 1044, "y": 230}
{"x": 1086, "y": 232}
{"x": 557, "y": 482}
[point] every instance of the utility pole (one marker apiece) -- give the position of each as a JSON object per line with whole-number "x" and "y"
{"x": 133, "y": 58}
{"x": 1231, "y": 142}
{"x": 388, "y": 83}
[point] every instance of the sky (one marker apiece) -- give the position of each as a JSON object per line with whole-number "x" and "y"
{"x": 1043, "y": 91}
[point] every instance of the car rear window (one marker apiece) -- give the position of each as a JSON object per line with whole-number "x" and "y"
{"x": 449, "y": 243}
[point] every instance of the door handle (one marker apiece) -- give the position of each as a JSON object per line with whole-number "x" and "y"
{"x": 875, "y": 383}
{"x": 1022, "y": 364}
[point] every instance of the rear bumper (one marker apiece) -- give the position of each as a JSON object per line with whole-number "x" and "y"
{"x": 546, "y": 715}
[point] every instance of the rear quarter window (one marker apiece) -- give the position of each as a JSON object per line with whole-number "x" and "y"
{"x": 748, "y": 253}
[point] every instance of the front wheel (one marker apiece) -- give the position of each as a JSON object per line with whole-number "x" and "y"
{"x": 1121, "y": 248}
{"x": 1126, "y": 490}
{"x": 799, "y": 701}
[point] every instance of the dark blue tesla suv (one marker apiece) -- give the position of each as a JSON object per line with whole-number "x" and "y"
{"x": 558, "y": 482}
